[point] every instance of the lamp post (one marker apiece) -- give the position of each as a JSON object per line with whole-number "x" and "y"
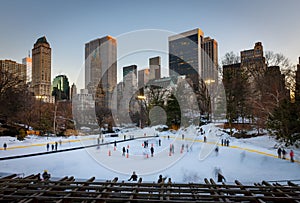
{"x": 141, "y": 98}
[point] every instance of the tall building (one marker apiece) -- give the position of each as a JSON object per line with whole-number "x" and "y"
{"x": 41, "y": 69}
{"x": 16, "y": 69}
{"x": 130, "y": 76}
{"x": 297, "y": 92}
{"x": 155, "y": 68}
{"x": 209, "y": 59}
{"x": 143, "y": 79}
{"x": 194, "y": 56}
{"x": 61, "y": 88}
{"x": 28, "y": 62}
{"x": 73, "y": 91}
{"x": 101, "y": 67}
{"x": 185, "y": 54}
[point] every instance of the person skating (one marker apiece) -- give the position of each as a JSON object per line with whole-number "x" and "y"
{"x": 292, "y": 155}
{"x": 4, "y": 145}
{"x": 124, "y": 150}
{"x": 204, "y": 138}
{"x": 152, "y": 151}
{"x": 133, "y": 177}
{"x": 47, "y": 146}
{"x": 56, "y": 144}
{"x": 279, "y": 152}
{"x": 159, "y": 142}
{"x": 283, "y": 154}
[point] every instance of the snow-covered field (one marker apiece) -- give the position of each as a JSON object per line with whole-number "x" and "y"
{"x": 247, "y": 160}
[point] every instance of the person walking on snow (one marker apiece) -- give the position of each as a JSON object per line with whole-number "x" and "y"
{"x": 292, "y": 155}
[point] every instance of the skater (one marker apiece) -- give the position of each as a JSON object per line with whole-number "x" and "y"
{"x": 204, "y": 138}
{"x": 46, "y": 175}
{"x": 221, "y": 177}
{"x": 133, "y": 177}
{"x": 279, "y": 152}
{"x": 159, "y": 142}
{"x": 168, "y": 137}
{"x": 292, "y": 155}
{"x": 182, "y": 136}
{"x": 187, "y": 147}
{"x": 56, "y": 146}
{"x": 227, "y": 143}
{"x": 124, "y": 150}
{"x": 152, "y": 151}
{"x": 222, "y": 142}
{"x": 98, "y": 140}
{"x": 47, "y": 146}
{"x": 115, "y": 143}
{"x": 283, "y": 153}
{"x": 4, "y": 145}
{"x": 217, "y": 150}
{"x": 52, "y": 147}
{"x": 182, "y": 148}
{"x": 173, "y": 149}
{"x": 161, "y": 179}
{"x": 124, "y": 137}
{"x": 60, "y": 142}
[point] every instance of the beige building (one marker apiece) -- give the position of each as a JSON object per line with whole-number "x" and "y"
{"x": 41, "y": 70}
{"x": 16, "y": 69}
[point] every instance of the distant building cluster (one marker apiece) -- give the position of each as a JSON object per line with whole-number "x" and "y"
{"x": 192, "y": 56}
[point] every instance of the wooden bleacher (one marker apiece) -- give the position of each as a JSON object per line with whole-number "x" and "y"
{"x": 32, "y": 189}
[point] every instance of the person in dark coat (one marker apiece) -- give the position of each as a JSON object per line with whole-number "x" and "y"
{"x": 46, "y": 175}
{"x": 47, "y": 146}
{"x": 161, "y": 179}
{"x": 283, "y": 154}
{"x": 204, "y": 138}
{"x": 52, "y": 147}
{"x": 152, "y": 151}
{"x": 279, "y": 152}
{"x": 124, "y": 150}
{"x": 4, "y": 145}
{"x": 221, "y": 178}
{"x": 56, "y": 144}
{"x": 133, "y": 177}
{"x": 159, "y": 142}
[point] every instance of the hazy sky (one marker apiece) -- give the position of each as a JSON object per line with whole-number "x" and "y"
{"x": 69, "y": 24}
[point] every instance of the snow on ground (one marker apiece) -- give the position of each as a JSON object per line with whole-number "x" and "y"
{"x": 247, "y": 160}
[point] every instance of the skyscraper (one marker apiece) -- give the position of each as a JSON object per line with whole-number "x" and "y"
{"x": 28, "y": 62}
{"x": 209, "y": 59}
{"x": 185, "y": 54}
{"x": 194, "y": 56}
{"x": 73, "y": 91}
{"x": 130, "y": 76}
{"x": 61, "y": 88}
{"x": 41, "y": 69}
{"x": 155, "y": 69}
{"x": 101, "y": 69}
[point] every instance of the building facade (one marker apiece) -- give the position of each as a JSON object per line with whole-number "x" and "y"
{"x": 41, "y": 69}
{"x": 16, "y": 69}
{"x": 101, "y": 69}
{"x": 61, "y": 88}
{"x": 28, "y": 62}
{"x": 194, "y": 56}
{"x": 155, "y": 68}
{"x": 73, "y": 91}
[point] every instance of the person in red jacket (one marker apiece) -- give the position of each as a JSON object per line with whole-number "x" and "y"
{"x": 292, "y": 155}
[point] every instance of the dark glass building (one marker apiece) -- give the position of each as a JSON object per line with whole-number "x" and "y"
{"x": 61, "y": 88}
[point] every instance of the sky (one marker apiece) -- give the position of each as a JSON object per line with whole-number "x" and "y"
{"x": 69, "y": 24}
